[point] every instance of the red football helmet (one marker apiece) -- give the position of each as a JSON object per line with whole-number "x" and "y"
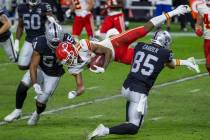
{"x": 66, "y": 53}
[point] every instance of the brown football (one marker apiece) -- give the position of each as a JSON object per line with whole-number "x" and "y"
{"x": 98, "y": 60}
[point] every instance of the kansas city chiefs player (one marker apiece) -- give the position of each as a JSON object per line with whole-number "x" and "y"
{"x": 202, "y": 27}
{"x": 77, "y": 56}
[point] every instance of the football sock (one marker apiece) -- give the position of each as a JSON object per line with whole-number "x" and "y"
{"x": 21, "y": 94}
{"x": 125, "y": 128}
{"x": 40, "y": 107}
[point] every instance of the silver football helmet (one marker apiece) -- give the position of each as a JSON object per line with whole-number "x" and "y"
{"x": 33, "y": 2}
{"x": 162, "y": 38}
{"x": 54, "y": 34}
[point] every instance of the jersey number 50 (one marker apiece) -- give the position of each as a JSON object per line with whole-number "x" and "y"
{"x": 32, "y": 21}
{"x": 147, "y": 68}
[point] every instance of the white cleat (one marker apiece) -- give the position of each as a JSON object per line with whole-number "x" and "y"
{"x": 100, "y": 131}
{"x": 182, "y": 9}
{"x": 72, "y": 94}
{"x": 33, "y": 119}
{"x": 16, "y": 114}
{"x": 194, "y": 64}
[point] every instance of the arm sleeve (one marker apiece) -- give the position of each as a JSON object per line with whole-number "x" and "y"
{"x": 169, "y": 56}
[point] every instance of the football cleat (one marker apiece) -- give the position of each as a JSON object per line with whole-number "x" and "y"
{"x": 194, "y": 64}
{"x": 33, "y": 120}
{"x": 182, "y": 9}
{"x": 16, "y": 114}
{"x": 100, "y": 131}
{"x": 72, "y": 94}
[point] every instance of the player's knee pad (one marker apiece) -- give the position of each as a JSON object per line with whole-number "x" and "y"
{"x": 43, "y": 98}
{"x": 133, "y": 129}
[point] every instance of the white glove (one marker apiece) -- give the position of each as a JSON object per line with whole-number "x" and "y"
{"x": 68, "y": 13}
{"x": 193, "y": 65}
{"x": 97, "y": 70}
{"x": 16, "y": 45}
{"x": 38, "y": 89}
{"x": 180, "y": 10}
{"x": 72, "y": 94}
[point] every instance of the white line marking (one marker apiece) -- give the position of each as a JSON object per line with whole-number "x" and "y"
{"x": 155, "y": 118}
{"x": 194, "y": 90}
{"x": 5, "y": 64}
{"x": 91, "y": 88}
{"x": 110, "y": 97}
{"x": 95, "y": 117}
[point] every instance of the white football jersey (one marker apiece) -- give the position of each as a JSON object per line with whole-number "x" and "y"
{"x": 85, "y": 53}
{"x": 81, "y": 7}
{"x": 204, "y": 11}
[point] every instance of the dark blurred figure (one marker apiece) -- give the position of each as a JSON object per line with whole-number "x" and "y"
{"x": 184, "y": 19}
{"x": 56, "y": 8}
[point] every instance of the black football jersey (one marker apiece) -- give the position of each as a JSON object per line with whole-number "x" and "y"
{"x": 148, "y": 61}
{"x": 48, "y": 62}
{"x": 34, "y": 19}
{"x": 6, "y": 35}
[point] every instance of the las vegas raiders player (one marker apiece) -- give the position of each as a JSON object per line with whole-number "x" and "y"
{"x": 148, "y": 61}
{"x": 44, "y": 74}
{"x": 6, "y": 38}
{"x": 32, "y": 17}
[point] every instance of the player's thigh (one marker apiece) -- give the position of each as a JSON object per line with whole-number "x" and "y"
{"x": 119, "y": 23}
{"x": 27, "y": 78}
{"x": 89, "y": 25}
{"x": 107, "y": 24}
{"x": 25, "y": 54}
{"x": 49, "y": 85}
{"x": 9, "y": 49}
{"x": 133, "y": 100}
{"x": 77, "y": 26}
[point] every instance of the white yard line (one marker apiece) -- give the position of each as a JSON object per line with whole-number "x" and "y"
{"x": 110, "y": 97}
{"x": 194, "y": 90}
{"x": 95, "y": 117}
{"x": 6, "y": 64}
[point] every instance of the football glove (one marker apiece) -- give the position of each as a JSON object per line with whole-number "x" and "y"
{"x": 97, "y": 70}
{"x": 38, "y": 89}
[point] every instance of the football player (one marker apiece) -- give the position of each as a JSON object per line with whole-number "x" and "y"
{"x": 114, "y": 19}
{"x": 32, "y": 17}
{"x": 148, "y": 62}
{"x": 44, "y": 73}
{"x": 83, "y": 18}
{"x": 202, "y": 27}
{"x": 79, "y": 55}
{"x": 6, "y": 37}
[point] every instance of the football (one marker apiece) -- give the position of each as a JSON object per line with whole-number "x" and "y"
{"x": 98, "y": 60}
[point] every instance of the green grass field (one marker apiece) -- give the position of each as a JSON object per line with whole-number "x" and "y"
{"x": 179, "y": 111}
